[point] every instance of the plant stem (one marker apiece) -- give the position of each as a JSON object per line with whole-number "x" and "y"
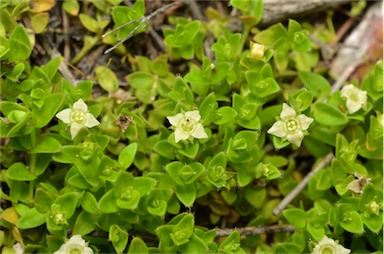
{"x": 32, "y": 163}
{"x": 255, "y": 230}
{"x": 288, "y": 199}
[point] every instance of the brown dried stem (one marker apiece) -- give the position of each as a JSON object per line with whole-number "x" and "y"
{"x": 245, "y": 231}
{"x": 296, "y": 191}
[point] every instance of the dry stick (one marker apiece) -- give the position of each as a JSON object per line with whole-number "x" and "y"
{"x": 255, "y": 230}
{"x": 344, "y": 76}
{"x": 63, "y": 68}
{"x": 288, "y": 199}
{"x": 141, "y": 23}
{"x": 198, "y": 15}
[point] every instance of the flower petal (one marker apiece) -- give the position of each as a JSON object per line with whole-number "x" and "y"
{"x": 91, "y": 121}
{"x": 194, "y": 115}
{"x": 199, "y": 132}
{"x": 180, "y": 135}
{"x": 346, "y": 90}
{"x": 304, "y": 121}
{"x": 75, "y": 128}
{"x": 174, "y": 120}
{"x": 278, "y": 129}
{"x": 296, "y": 138}
{"x": 64, "y": 115}
{"x": 80, "y": 105}
{"x": 352, "y": 106}
{"x": 287, "y": 112}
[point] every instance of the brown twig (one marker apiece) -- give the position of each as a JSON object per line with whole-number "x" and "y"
{"x": 296, "y": 191}
{"x": 63, "y": 68}
{"x": 67, "y": 48}
{"x": 141, "y": 23}
{"x": 245, "y": 231}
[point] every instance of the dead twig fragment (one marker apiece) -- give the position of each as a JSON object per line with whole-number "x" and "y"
{"x": 356, "y": 48}
{"x": 245, "y": 231}
{"x": 141, "y": 22}
{"x": 296, "y": 191}
{"x": 277, "y": 10}
{"x": 63, "y": 68}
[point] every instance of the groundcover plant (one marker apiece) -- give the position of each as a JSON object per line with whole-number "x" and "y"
{"x": 184, "y": 127}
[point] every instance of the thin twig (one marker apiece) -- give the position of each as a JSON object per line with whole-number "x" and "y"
{"x": 288, "y": 199}
{"x": 344, "y": 76}
{"x": 255, "y": 230}
{"x": 63, "y": 68}
{"x": 141, "y": 23}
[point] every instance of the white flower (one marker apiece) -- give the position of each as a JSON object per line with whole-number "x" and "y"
{"x": 356, "y": 98}
{"x": 77, "y": 117}
{"x": 187, "y": 125}
{"x": 257, "y": 51}
{"x": 329, "y": 246}
{"x": 291, "y": 126}
{"x": 18, "y": 248}
{"x": 75, "y": 244}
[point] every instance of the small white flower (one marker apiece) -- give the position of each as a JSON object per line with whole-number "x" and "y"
{"x": 257, "y": 51}
{"x": 75, "y": 244}
{"x": 18, "y": 248}
{"x": 329, "y": 246}
{"x": 187, "y": 125}
{"x": 77, "y": 117}
{"x": 356, "y": 98}
{"x": 291, "y": 126}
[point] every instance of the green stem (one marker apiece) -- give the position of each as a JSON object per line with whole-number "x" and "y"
{"x": 244, "y": 37}
{"x": 32, "y": 163}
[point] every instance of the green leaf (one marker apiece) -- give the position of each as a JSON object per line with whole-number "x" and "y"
{"x": 183, "y": 230}
{"x": 137, "y": 246}
{"x": 19, "y": 172}
{"x": 21, "y": 46}
{"x": 353, "y": 223}
{"x": 84, "y": 224}
{"x": 107, "y": 203}
{"x": 165, "y": 149}
{"x": 42, "y": 200}
{"x": 315, "y": 83}
{"x": 119, "y": 238}
{"x": 47, "y": 144}
{"x": 254, "y": 196}
{"x": 72, "y": 7}
{"x": 107, "y": 79}
{"x": 140, "y": 80}
{"x": 295, "y": 216}
{"x": 207, "y": 107}
{"x": 286, "y": 248}
{"x": 89, "y": 23}
{"x": 173, "y": 169}
{"x": 89, "y": 203}
{"x": 31, "y": 218}
{"x": 224, "y": 115}
{"x": 194, "y": 245}
{"x": 68, "y": 203}
{"x": 231, "y": 244}
{"x": 186, "y": 193}
{"x": 42, "y": 116}
{"x": 328, "y": 115}
{"x": 39, "y": 22}
{"x": 127, "y": 155}
{"x": 144, "y": 184}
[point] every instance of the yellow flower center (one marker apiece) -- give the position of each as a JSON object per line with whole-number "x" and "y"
{"x": 291, "y": 125}
{"x": 327, "y": 250}
{"x": 187, "y": 125}
{"x": 75, "y": 250}
{"x": 78, "y": 117}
